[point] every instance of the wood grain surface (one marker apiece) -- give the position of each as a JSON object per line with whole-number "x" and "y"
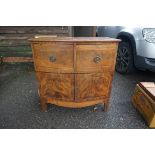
{"x": 58, "y": 86}
{"x": 63, "y": 57}
{"x": 78, "y": 74}
{"x": 144, "y": 103}
{"x": 92, "y": 86}
{"x": 87, "y": 54}
{"x": 75, "y": 39}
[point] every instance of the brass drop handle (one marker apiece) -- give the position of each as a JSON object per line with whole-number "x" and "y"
{"x": 52, "y": 58}
{"x": 97, "y": 59}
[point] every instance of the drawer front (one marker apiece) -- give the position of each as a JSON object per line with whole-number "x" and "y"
{"x": 95, "y": 57}
{"x": 57, "y": 86}
{"x": 92, "y": 86}
{"x": 55, "y": 57}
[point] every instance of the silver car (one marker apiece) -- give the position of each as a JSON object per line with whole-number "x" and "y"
{"x": 137, "y": 49}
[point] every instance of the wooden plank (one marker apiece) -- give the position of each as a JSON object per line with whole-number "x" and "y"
{"x": 147, "y": 84}
{"x": 15, "y": 48}
{"x": 144, "y": 104}
{"x": 43, "y": 36}
{"x": 12, "y": 37}
{"x": 28, "y": 35}
{"x": 16, "y": 59}
{"x": 149, "y": 88}
{"x": 16, "y": 54}
{"x": 32, "y": 29}
{"x": 17, "y": 40}
{"x": 43, "y": 32}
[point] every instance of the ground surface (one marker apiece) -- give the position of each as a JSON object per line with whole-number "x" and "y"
{"x": 19, "y": 106}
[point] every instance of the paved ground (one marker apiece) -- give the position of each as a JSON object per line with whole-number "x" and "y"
{"x": 19, "y": 106}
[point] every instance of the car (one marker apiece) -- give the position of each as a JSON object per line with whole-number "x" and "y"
{"x": 136, "y": 49}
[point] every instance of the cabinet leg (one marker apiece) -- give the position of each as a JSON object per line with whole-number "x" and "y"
{"x": 106, "y": 105}
{"x": 43, "y": 104}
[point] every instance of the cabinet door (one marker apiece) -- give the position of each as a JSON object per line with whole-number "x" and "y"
{"x": 92, "y": 86}
{"x": 95, "y": 58}
{"x": 57, "y": 86}
{"x": 53, "y": 57}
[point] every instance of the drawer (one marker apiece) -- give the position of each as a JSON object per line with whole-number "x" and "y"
{"x": 53, "y": 57}
{"x": 57, "y": 86}
{"x": 95, "y": 57}
{"x": 92, "y": 86}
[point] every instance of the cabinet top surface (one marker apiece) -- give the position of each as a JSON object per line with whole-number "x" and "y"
{"x": 74, "y": 39}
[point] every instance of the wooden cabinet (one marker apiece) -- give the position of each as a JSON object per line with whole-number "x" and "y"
{"x": 74, "y": 72}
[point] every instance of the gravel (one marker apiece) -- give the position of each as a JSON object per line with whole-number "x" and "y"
{"x": 19, "y": 104}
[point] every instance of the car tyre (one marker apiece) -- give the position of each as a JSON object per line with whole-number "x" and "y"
{"x": 125, "y": 59}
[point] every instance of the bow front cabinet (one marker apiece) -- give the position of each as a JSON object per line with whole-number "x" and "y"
{"x": 74, "y": 72}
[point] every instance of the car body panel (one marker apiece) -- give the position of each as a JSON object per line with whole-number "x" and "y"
{"x": 143, "y": 49}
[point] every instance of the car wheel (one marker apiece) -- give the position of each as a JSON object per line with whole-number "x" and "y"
{"x": 124, "y": 60}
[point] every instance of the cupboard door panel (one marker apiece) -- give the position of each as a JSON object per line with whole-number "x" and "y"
{"x": 58, "y": 86}
{"x": 92, "y": 86}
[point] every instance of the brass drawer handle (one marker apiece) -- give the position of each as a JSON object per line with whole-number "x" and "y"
{"x": 97, "y": 59}
{"x": 52, "y": 58}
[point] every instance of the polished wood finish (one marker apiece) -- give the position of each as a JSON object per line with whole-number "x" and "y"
{"x": 62, "y": 53}
{"x": 75, "y": 39}
{"x": 74, "y": 72}
{"x": 86, "y": 55}
{"x": 58, "y": 86}
{"x": 92, "y": 86}
{"x": 144, "y": 101}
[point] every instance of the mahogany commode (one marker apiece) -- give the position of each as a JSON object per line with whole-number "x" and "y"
{"x": 74, "y": 72}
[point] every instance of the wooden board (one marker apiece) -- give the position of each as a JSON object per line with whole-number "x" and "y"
{"x": 149, "y": 88}
{"x": 76, "y": 39}
{"x": 16, "y": 59}
{"x": 144, "y": 103}
{"x": 12, "y": 38}
{"x": 32, "y": 29}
